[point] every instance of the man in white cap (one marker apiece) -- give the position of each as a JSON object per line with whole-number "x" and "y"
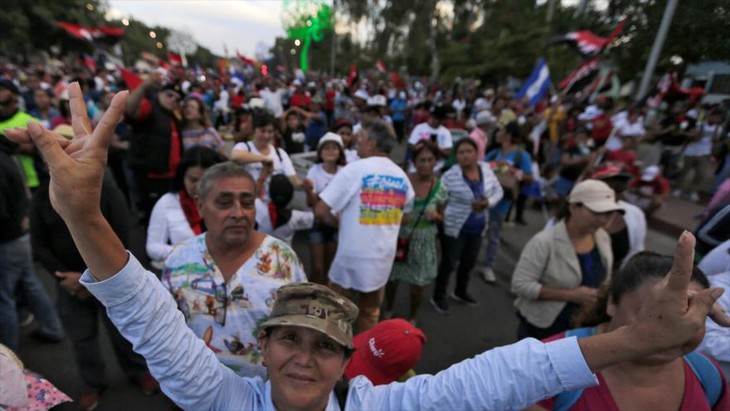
{"x": 480, "y": 135}
{"x": 649, "y": 191}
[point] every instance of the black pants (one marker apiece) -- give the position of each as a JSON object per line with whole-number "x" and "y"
{"x": 462, "y": 250}
{"x": 80, "y": 319}
{"x": 150, "y": 190}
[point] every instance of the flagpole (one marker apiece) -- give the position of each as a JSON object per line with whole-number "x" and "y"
{"x": 656, "y": 49}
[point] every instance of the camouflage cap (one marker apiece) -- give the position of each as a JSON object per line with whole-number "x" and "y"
{"x": 316, "y": 307}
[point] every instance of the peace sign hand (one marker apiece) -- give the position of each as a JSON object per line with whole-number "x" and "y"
{"x": 76, "y": 166}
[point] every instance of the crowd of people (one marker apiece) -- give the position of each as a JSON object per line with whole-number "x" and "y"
{"x": 207, "y": 165}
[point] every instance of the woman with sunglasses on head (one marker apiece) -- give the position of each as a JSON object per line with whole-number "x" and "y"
{"x": 197, "y": 127}
{"x": 560, "y": 268}
{"x": 306, "y": 342}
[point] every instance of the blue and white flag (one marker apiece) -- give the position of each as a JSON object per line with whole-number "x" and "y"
{"x": 537, "y": 85}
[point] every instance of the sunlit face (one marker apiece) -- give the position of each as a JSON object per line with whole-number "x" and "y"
{"x": 191, "y": 178}
{"x": 229, "y": 211}
{"x": 424, "y": 162}
{"x": 303, "y": 366}
{"x": 330, "y": 151}
{"x": 168, "y": 99}
{"x": 466, "y": 155}
{"x": 191, "y": 110}
{"x": 627, "y": 310}
{"x": 263, "y": 135}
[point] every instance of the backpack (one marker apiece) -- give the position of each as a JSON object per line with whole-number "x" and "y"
{"x": 701, "y": 366}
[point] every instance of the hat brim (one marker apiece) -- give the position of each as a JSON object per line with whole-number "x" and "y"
{"x": 359, "y": 363}
{"x": 603, "y": 206}
{"x": 311, "y": 322}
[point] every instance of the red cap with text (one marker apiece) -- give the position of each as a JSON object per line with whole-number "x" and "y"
{"x": 386, "y": 352}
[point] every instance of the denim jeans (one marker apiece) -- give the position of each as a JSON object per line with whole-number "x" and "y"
{"x": 464, "y": 250}
{"x": 494, "y": 233}
{"x": 18, "y": 280}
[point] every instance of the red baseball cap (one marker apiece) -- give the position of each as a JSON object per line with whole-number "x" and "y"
{"x": 386, "y": 352}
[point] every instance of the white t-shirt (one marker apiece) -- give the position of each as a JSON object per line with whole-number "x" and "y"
{"x": 282, "y": 162}
{"x": 624, "y": 130}
{"x": 300, "y": 220}
{"x": 424, "y": 131}
{"x": 703, "y": 146}
{"x": 272, "y": 100}
{"x": 351, "y": 155}
{"x": 370, "y": 195}
{"x": 320, "y": 177}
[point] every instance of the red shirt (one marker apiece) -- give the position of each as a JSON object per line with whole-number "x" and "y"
{"x": 600, "y": 397}
{"x": 657, "y": 186}
{"x": 602, "y": 126}
{"x": 329, "y": 102}
{"x": 626, "y": 157}
{"x": 300, "y": 100}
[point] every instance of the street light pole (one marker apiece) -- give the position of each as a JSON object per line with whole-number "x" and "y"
{"x": 656, "y": 49}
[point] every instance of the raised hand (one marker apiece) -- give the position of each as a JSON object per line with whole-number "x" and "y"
{"x": 672, "y": 319}
{"x": 76, "y": 166}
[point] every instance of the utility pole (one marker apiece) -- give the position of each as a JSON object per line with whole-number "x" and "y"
{"x": 656, "y": 49}
{"x": 333, "y": 53}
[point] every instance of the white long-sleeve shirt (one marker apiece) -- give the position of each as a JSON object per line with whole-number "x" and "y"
{"x": 505, "y": 378}
{"x": 168, "y": 227}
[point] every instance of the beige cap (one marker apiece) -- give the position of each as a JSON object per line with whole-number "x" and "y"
{"x": 596, "y": 195}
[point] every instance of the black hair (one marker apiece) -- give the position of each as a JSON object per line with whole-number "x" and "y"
{"x": 426, "y": 145}
{"x": 198, "y": 156}
{"x": 514, "y": 130}
{"x": 639, "y": 269}
{"x": 263, "y": 118}
{"x": 465, "y": 141}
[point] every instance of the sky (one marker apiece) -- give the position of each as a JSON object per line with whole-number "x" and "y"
{"x": 239, "y": 24}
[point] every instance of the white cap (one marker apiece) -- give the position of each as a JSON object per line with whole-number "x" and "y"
{"x": 590, "y": 113}
{"x": 484, "y": 117}
{"x": 378, "y": 100}
{"x": 256, "y": 103}
{"x": 360, "y": 93}
{"x": 330, "y": 136}
{"x": 296, "y": 82}
{"x": 650, "y": 173}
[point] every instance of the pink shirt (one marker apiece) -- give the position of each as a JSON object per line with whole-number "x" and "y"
{"x": 479, "y": 137}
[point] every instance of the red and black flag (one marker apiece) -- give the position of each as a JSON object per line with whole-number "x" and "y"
{"x": 102, "y": 34}
{"x": 580, "y": 77}
{"x": 587, "y": 43}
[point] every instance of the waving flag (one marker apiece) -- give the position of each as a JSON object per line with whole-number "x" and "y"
{"x": 585, "y": 42}
{"x": 537, "y": 85}
{"x": 380, "y": 66}
{"x": 353, "y": 76}
{"x": 108, "y": 34}
{"x": 580, "y": 77}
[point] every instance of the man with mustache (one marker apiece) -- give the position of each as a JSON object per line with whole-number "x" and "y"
{"x": 224, "y": 280}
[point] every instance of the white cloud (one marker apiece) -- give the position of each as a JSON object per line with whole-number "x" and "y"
{"x": 241, "y": 25}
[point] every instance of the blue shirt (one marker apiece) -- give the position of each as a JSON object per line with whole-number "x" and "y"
{"x": 397, "y": 107}
{"x": 510, "y": 377}
{"x": 525, "y": 164}
{"x": 477, "y": 220}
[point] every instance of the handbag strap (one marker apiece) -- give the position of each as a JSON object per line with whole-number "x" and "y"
{"x": 428, "y": 200}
